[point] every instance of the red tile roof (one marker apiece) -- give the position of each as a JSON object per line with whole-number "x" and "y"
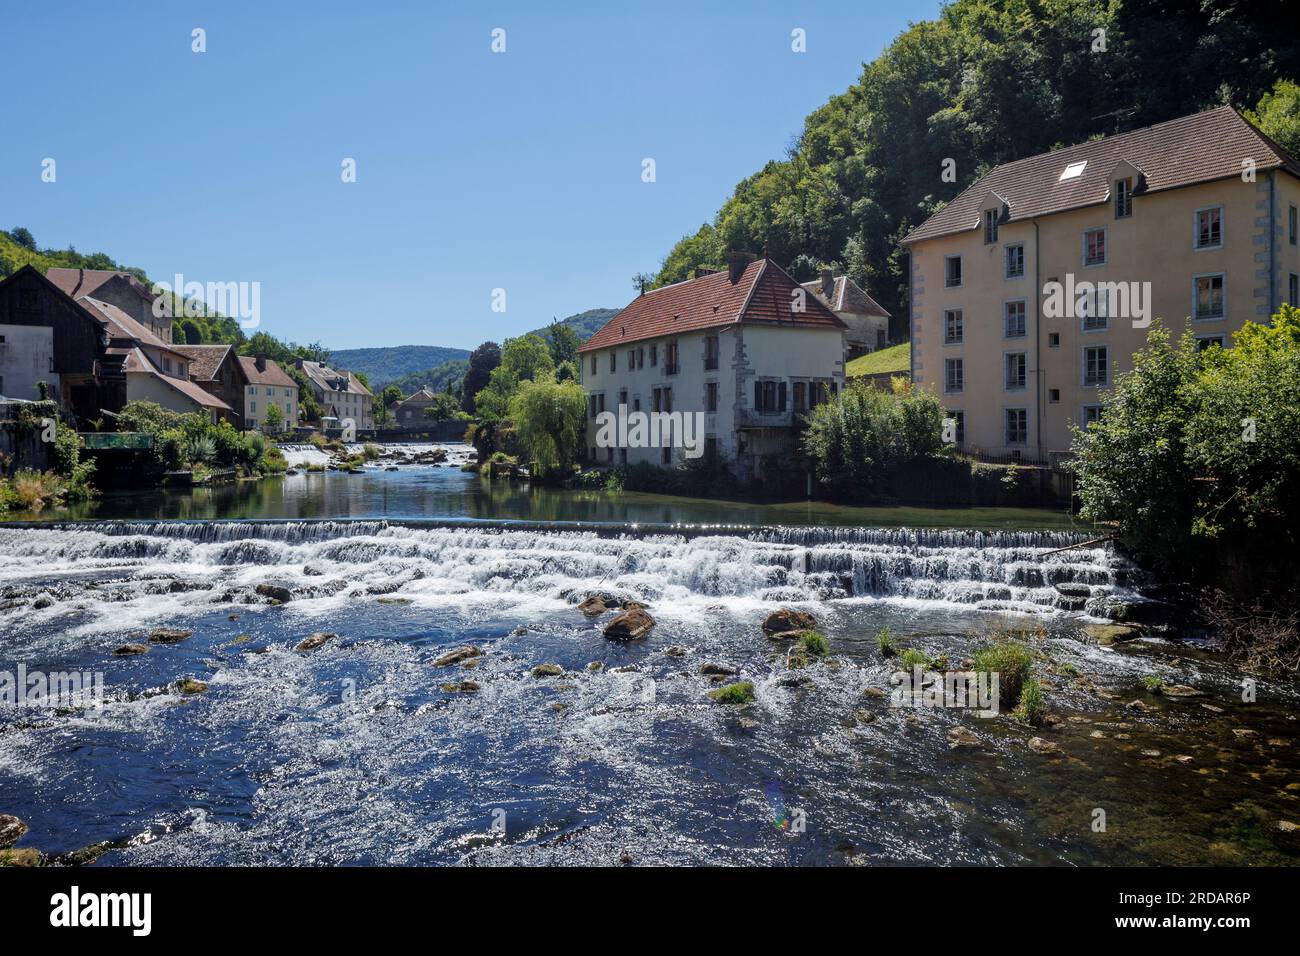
{"x": 137, "y": 361}
{"x": 271, "y": 375}
{"x": 122, "y": 326}
{"x": 79, "y": 282}
{"x": 761, "y": 295}
{"x": 204, "y": 359}
{"x": 1181, "y": 152}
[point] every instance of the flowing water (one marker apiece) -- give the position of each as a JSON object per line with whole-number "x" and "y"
{"x": 356, "y": 753}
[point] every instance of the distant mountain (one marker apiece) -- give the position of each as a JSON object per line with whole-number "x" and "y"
{"x": 441, "y": 378}
{"x": 586, "y": 324}
{"x": 383, "y": 365}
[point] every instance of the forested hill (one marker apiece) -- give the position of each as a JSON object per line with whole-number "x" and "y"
{"x": 383, "y": 365}
{"x": 585, "y": 324}
{"x": 987, "y": 82}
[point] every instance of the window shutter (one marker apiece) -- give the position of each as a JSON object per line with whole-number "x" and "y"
{"x": 758, "y": 396}
{"x": 780, "y": 391}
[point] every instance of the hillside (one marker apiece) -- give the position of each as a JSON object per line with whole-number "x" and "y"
{"x": 384, "y": 365}
{"x": 585, "y": 324}
{"x": 896, "y": 358}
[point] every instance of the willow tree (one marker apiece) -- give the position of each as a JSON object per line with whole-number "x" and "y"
{"x": 548, "y": 417}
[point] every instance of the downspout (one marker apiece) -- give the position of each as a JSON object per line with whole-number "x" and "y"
{"x": 1038, "y": 365}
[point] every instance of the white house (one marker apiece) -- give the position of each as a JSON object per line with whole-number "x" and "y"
{"x": 749, "y": 349}
{"x": 340, "y": 395}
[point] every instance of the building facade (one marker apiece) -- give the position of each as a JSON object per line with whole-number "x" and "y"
{"x": 341, "y": 396}
{"x": 1034, "y": 287}
{"x": 866, "y": 322}
{"x": 267, "y": 385}
{"x": 744, "y": 348}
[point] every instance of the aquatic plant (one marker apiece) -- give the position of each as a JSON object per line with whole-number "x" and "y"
{"x": 1010, "y": 660}
{"x": 1153, "y": 684}
{"x": 1033, "y": 705}
{"x": 885, "y": 641}
{"x": 741, "y": 692}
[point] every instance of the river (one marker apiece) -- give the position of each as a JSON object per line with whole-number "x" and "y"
{"x": 355, "y": 752}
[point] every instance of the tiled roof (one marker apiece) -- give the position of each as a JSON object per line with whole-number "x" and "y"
{"x": 761, "y": 294}
{"x": 137, "y": 361}
{"x": 325, "y": 377}
{"x": 79, "y": 282}
{"x": 423, "y": 395}
{"x": 122, "y": 326}
{"x": 271, "y": 375}
{"x": 1181, "y": 152}
{"x": 847, "y": 296}
{"x": 204, "y": 359}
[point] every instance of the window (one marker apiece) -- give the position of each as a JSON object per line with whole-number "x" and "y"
{"x": 959, "y": 430}
{"x": 1095, "y": 372}
{"x": 1123, "y": 198}
{"x": 600, "y": 402}
{"x": 613, "y": 360}
{"x": 1053, "y": 396}
{"x": 1091, "y": 415}
{"x": 654, "y": 355}
{"x": 670, "y": 359}
{"x": 1094, "y": 247}
{"x": 593, "y": 363}
{"x": 1291, "y": 224}
{"x": 1292, "y": 290}
{"x": 990, "y": 226}
{"x": 640, "y": 358}
{"x": 1209, "y": 228}
{"x": 631, "y": 359}
{"x": 710, "y": 353}
{"x": 1016, "y": 367}
{"x": 951, "y": 271}
{"x": 1208, "y": 304}
{"x": 952, "y": 326}
{"x": 1053, "y": 340}
{"x": 954, "y": 375}
{"x": 800, "y": 396}
{"x": 622, "y": 396}
{"x": 1072, "y": 171}
{"x": 1013, "y": 319}
{"x": 1017, "y": 420}
{"x": 1015, "y": 261}
{"x": 667, "y": 456}
{"x": 1204, "y": 342}
{"x": 1096, "y": 310}
{"x": 252, "y": 407}
{"x": 770, "y": 396}
{"x": 710, "y": 396}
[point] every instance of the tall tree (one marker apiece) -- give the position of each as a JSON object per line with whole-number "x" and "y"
{"x": 481, "y": 363}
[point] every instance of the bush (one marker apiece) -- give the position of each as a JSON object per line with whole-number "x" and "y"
{"x": 885, "y": 641}
{"x": 200, "y": 450}
{"x": 548, "y": 417}
{"x": 1033, "y": 706}
{"x": 32, "y": 490}
{"x": 1011, "y": 661}
{"x": 370, "y": 451}
{"x": 912, "y": 658}
{"x": 741, "y": 692}
{"x": 75, "y": 472}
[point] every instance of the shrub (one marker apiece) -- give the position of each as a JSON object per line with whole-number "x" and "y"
{"x": 33, "y": 490}
{"x": 273, "y": 461}
{"x": 912, "y": 657}
{"x": 316, "y": 439}
{"x": 200, "y": 450}
{"x": 811, "y": 646}
{"x": 885, "y": 641}
{"x": 1153, "y": 684}
{"x": 370, "y": 451}
{"x": 1011, "y": 661}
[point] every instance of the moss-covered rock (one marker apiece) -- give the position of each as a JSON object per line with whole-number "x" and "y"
{"x": 741, "y": 692}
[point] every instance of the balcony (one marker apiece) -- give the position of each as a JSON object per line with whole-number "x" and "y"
{"x": 749, "y": 418}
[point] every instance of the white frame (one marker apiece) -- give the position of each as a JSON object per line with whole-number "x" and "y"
{"x": 1114, "y": 197}
{"x": 1007, "y": 247}
{"x": 1210, "y": 275}
{"x": 1196, "y": 228}
{"x": 954, "y": 391}
{"x": 989, "y": 240}
{"x": 1024, "y": 319}
{"x": 1221, "y": 337}
{"x": 1083, "y": 366}
{"x": 1006, "y": 437}
{"x": 1083, "y": 414}
{"x": 1024, "y": 354}
{"x": 961, "y": 339}
{"x": 1105, "y": 245}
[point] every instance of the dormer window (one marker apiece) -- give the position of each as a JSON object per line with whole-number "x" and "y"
{"x": 1073, "y": 171}
{"x": 990, "y": 226}
{"x": 1123, "y": 198}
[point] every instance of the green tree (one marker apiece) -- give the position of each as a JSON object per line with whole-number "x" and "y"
{"x": 444, "y": 408}
{"x": 481, "y": 363}
{"x": 23, "y": 237}
{"x": 273, "y": 420}
{"x": 548, "y": 418}
{"x": 1278, "y": 115}
{"x": 522, "y": 359}
{"x": 563, "y": 342}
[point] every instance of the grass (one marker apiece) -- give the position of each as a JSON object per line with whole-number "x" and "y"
{"x": 1153, "y": 684}
{"x": 742, "y": 692}
{"x": 808, "y": 648}
{"x": 912, "y": 657}
{"x": 885, "y": 641}
{"x": 896, "y": 358}
{"x": 1011, "y": 661}
{"x": 1033, "y": 705}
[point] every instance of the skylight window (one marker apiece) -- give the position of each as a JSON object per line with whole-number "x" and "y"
{"x": 1073, "y": 171}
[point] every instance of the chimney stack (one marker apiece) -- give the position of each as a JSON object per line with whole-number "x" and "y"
{"x": 736, "y": 263}
{"x": 828, "y": 284}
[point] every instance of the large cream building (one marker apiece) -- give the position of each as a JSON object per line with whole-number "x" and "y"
{"x": 1199, "y": 212}
{"x": 748, "y": 348}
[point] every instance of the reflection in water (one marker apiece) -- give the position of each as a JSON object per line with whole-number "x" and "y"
{"x": 447, "y": 492}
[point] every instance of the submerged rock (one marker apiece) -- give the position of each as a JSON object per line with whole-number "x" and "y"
{"x": 458, "y": 654}
{"x": 11, "y": 830}
{"x": 463, "y": 687}
{"x": 675, "y": 651}
{"x": 1108, "y": 634}
{"x": 548, "y": 670}
{"x": 787, "y": 619}
{"x": 313, "y": 641}
{"x": 721, "y": 669}
{"x": 595, "y": 667}
{"x": 127, "y": 649}
{"x": 167, "y": 635}
{"x": 789, "y": 635}
{"x": 960, "y": 736}
{"x": 629, "y": 626}
{"x": 188, "y": 686}
{"x": 1040, "y": 746}
{"x": 738, "y": 693}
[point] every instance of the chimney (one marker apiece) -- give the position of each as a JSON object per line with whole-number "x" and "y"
{"x": 736, "y": 262}
{"x": 828, "y": 284}
{"x": 260, "y": 362}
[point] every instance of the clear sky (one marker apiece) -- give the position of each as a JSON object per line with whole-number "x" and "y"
{"x": 475, "y": 171}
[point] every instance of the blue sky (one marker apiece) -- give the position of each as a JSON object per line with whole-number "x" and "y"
{"x": 475, "y": 170}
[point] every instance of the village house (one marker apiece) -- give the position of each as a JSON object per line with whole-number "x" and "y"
{"x": 408, "y": 414}
{"x": 341, "y": 396}
{"x": 121, "y": 289}
{"x": 866, "y": 322}
{"x": 743, "y": 347}
{"x": 266, "y": 385}
{"x": 1191, "y": 223}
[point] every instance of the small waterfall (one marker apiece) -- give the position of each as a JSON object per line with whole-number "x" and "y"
{"x": 991, "y": 569}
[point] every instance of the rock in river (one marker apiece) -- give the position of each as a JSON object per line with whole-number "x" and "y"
{"x": 1107, "y": 634}
{"x": 128, "y": 649}
{"x": 168, "y": 635}
{"x": 313, "y": 641}
{"x": 11, "y": 830}
{"x": 548, "y": 670}
{"x": 458, "y": 654}
{"x": 275, "y": 592}
{"x": 629, "y": 626}
{"x": 593, "y": 606}
{"x": 788, "y": 619}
